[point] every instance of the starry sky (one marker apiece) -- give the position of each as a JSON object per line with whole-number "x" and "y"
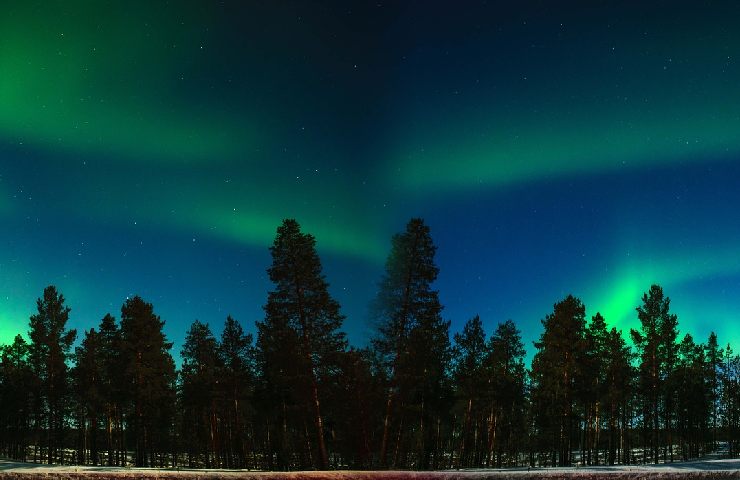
{"x": 153, "y": 148}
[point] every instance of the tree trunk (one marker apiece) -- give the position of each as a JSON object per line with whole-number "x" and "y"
{"x": 464, "y": 434}
{"x": 386, "y": 427}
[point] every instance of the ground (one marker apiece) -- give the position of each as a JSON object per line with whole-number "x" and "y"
{"x": 706, "y": 469}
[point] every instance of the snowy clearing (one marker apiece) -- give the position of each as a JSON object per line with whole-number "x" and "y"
{"x": 707, "y": 469}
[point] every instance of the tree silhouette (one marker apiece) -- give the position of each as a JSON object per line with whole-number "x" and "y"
{"x": 504, "y": 393}
{"x": 556, "y": 372}
{"x": 112, "y": 388}
{"x": 408, "y": 311}
{"x": 657, "y": 351}
{"x": 301, "y": 312}
{"x": 300, "y": 398}
{"x": 200, "y": 393}
{"x": 149, "y": 376}
{"x": 51, "y": 342}
{"x": 470, "y": 382}
{"x": 237, "y": 357}
{"x": 16, "y": 398}
{"x": 88, "y": 387}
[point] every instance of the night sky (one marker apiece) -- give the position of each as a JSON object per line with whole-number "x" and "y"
{"x": 153, "y": 148}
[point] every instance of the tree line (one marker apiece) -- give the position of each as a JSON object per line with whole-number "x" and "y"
{"x": 299, "y": 397}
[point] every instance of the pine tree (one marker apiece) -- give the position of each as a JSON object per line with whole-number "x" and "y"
{"x": 87, "y": 378}
{"x": 49, "y": 351}
{"x": 618, "y": 375}
{"x": 16, "y": 406}
{"x": 237, "y": 356}
{"x": 200, "y": 393}
{"x": 358, "y": 393}
{"x": 556, "y": 371}
{"x": 714, "y": 364}
{"x": 112, "y": 388}
{"x": 278, "y": 391}
{"x": 149, "y": 376}
{"x": 302, "y": 311}
{"x": 505, "y": 377}
{"x": 469, "y": 380}
{"x": 430, "y": 399}
{"x": 730, "y": 398}
{"x": 657, "y": 351}
{"x": 691, "y": 396}
{"x": 405, "y": 303}
{"x": 593, "y": 385}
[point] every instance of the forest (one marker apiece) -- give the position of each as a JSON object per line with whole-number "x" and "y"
{"x": 296, "y": 395}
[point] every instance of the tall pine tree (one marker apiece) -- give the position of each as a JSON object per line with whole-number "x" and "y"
{"x": 714, "y": 364}
{"x": 200, "y": 392}
{"x": 237, "y": 356}
{"x": 301, "y": 311}
{"x": 556, "y": 372}
{"x": 408, "y": 313}
{"x": 51, "y": 342}
{"x": 16, "y": 405}
{"x": 149, "y": 376}
{"x": 469, "y": 380}
{"x": 112, "y": 388}
{"x": 657, "y": 350}
{"x": 505, "y": 377}
{"x": 88, "y": 386}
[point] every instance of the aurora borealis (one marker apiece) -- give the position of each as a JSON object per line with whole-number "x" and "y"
{"x": 153, "y": 148}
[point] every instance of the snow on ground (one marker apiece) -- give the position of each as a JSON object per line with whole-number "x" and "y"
{"x": 699, "y": 470}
